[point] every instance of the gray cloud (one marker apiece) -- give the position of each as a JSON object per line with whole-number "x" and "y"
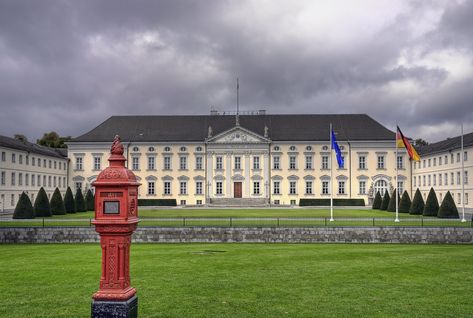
{"x": 68, "y": 65}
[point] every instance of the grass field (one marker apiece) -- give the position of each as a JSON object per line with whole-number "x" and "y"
{"x": 246, "y": 280}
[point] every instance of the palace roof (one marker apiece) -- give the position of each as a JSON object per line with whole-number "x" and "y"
{"x": 351, "y": 127}
{"x": 448, "y": 144}
{"x": 13, "y": 143}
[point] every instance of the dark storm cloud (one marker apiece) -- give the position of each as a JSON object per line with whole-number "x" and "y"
{"x": 68, "y": 65}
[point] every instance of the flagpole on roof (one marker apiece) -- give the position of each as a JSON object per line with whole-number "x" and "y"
{"x": 397, "y": 188}
{"x": 331, "y": 176}
{"x": 463, "y": 177}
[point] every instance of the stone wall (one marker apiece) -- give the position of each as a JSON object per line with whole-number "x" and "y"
{"x": 446, "y": 235}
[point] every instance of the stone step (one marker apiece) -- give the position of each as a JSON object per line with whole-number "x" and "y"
{"x": 238, "y": 202}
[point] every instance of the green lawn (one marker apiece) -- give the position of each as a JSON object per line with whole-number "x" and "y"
{"x": 246, "y": 280}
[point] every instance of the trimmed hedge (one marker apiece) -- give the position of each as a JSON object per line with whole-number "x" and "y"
{"x": 377, "y": 201}
{"x": 448, "y": 209}
{"x": 90, "y": 201}
{"x": 157, "y": 202}
{"x": 405, "y": 203}
{"x": 41, "y": 204}
{"x": 57, "y": 204}
{"x": 24, "y": 209}
{"x": 392, "y": 202}
{"x": 336, "y": 202}
{"x": 385, "y": 202}
{"x": 431, "y": 207}
{"x": 417, "y": 206}
{"x": 69, "y": 202}
{"x": 80, "y": 202}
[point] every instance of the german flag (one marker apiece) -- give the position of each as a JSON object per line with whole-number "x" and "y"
{"x": 402, "y": 142}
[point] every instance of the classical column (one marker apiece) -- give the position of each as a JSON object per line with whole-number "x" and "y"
{"x": 266, "y": 175}
{"x": 247, "y": 174}
{"x": 228, "y": 175}
{"x": 209, "y": 176}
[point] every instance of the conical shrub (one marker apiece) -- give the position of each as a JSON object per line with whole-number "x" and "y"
{"x": 41, "y": 204}
{"x": 24, "y": 209}
{"x": 405, "y": 203}
{"x": 90, "y": 201}
{"x": 448, "y": 209}
{"x": 377, "y": 201}
{"x": 57, "y": 204}
{"x": 80, "y": 202}
{"x": 392, "y": 202}
{"x": 417, "y": 205}
{"x": 69, "y": 202}
{"x": 385, "y": 202}
{"x": 431, "y": 207}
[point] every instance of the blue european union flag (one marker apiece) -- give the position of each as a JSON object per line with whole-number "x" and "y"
{"x": 337, "y": 150}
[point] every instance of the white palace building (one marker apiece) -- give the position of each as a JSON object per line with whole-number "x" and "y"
{"x": 252, "y": 159}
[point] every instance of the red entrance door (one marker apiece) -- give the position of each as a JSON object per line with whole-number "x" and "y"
{"x": 237, "y": 190}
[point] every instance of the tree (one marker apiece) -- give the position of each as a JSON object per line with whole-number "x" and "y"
{"x": 448, "y": 209}
{"x": 69, "y": 202}
{"x": 80, "y": 202}
{"x": 431, "y": 207}
{"x": 417, "y": 206}
{"x": 405, "y": 203}
{"x": 52, "y": 139}
{"x": 420, "y": 142}
{"x": 57, "y": 204}
{"x": 41, "y": 204}
{"x": 392, "y": 202}
{"x": 385, "y": 202}
{"x": 90, "y": 201}
{"x": 377, "y": 201}
{"x": 20, "y": 137}
{"x": 24, "y": 209}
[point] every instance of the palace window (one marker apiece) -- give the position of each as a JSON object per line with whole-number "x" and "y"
{"x": 167, "y": 187}
{"x": 341, "y": 187}
{"x": 465, "y": 177}
{"x": 78, "y": 163}
{"x": 135, "y": 163}
{"x": 362, "y": 162}
{"x": 12, "y": 199}
{"x": 423, "y": 181}
{"x": 466, "y": 198}
{"x": 452, "y": 156}
{"x": 459, "y": 198}
{"x": 276, "y": 187}
{"x": 33, "y": 161}
{"x": 380, "y": 162}
{"x": 276, "y": 162}
{"x": 414, "y": 181}
{"x": 183, "y": 163}
{"x": 59, "y": 181}
{"x": 151, "y": 149}
{"x": 198, "y": 187}
{"x": 183, "y": 187}
{"x": 198, "y": 163}
{"x": 44, "y": 181}
{"x": 97, "y": 163}
{"x": 452, "y": 181}
{"x": 465, "y": 156}
{"x": 292, "y": 187}
{"x": 458, "y": 177}
{"x": 440, "y": 179}
{"x": 183, "y": 149}
{"x": 167, "y": 163}
{"x": 400, "y": 186}
{"x": 78, "y": 186}
{"x": 3, "y": 178}
{"x": 400, "y": 162}
{"x": 151, "y": 163}
{"x": 151, "y": 189}
{"x": 429, "y": 179}
{"x": 458, "y": 157}
{"x": 380, "y": 186}
{"x": 324, "y": 162}
{"x": 27, "y": 159}
{"x": 50, "y": 164}
{"x": 39, "y": 180}
{"x": 445, "y": 178}
{"x": 325, "y": 187}
{"x": 435, "y": 162}
{"x": 20, "y": 179}
{"x": 429, "y": 162}
{"x": 49, "y": 181}
{"x": 362, "y": 187}
{"x": 440, "y": 161}
{"x": 13, "y": 179}
{"x": 219, "y": 187}
{"x": 237, "y": 163}
{"x": 308, "y": 162}
{"x": 256, "y": 163}
{"x": 434, "y": 180}
{"x": 4, "y": 156}
{"x": 308, "y": 187}
{"x": 13, "y": 158}
{"x": 292, "y": 162}
{"x": 20, "y": 159}
{"x": 219, "y": 163}
{"x": 256, "y": 188}
{"x": 54, "y": 181}
{"x": 167, "y": 149}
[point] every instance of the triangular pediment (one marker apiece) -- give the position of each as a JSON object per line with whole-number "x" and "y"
{"x": 238, "y": 135}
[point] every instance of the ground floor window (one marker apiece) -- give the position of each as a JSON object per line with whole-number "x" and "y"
{"x": 400, "y": 186}
{"x": 183, "y": 202}
{"x": 78, "y": 185}
{"x": 325, "y": 187}
{"x": 362, "y": 187}
{"x": 380, "y": 186}
{"x": 276, "y": 187}
{"x": 293, "y": 202}
{"x": 341, "y": 187}
{"x": 198, "y": 187}
{"x": 167, "y": 187}
{"x": 308, "y": 187}
{"x": 292, "y": 187}
{"x": 199, "y": 202}
{"x": 276, "y": 202}
{"x": 183, "y": 187}
{"x": 256, "y": 188}
{"x": 219, "y": 187}
{"x": 151, "y": 188}
{"x": 459, "y": 198}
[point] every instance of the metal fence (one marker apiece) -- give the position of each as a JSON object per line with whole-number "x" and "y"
{"x": 249, "y": 222}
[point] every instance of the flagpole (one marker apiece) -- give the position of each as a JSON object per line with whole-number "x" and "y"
{"x": 397, "y": 188}
{"x": 331, "y": 176}
{"x": 463, "y": 177}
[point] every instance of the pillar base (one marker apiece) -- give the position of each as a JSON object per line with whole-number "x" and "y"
{"x": 115, "y": 309}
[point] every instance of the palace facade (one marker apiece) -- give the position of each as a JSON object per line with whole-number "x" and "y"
{"x": 256, "y": 159}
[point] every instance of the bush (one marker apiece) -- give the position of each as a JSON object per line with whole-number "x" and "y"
{"x": 385, "y": 202}
{"x": 392, "y": 202}
{"x": 69, "y": 202}
{"x": 24, "y": 209}
{"x": 41, "y": 204}
{"x": 417, "y": 206}
{"x": 405, "y": 203}
{"x": 80, "y": 202}
{"x": 336, "y": 202}
{"x": 448, "y": 209}
{"x": 431, "y": 205}
{"x": 157, "y": 202}
{"x": 377, "y": 201}
{"x": 90, "y": 201}
{"x": 57, "y": 204}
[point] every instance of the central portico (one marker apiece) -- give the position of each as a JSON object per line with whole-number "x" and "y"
{"x": 238, "y": 167}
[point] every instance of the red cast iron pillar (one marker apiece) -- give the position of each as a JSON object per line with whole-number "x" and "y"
{"x": 116, "y": 218}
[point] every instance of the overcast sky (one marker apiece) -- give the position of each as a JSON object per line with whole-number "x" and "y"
{"x": 69, "y": 65}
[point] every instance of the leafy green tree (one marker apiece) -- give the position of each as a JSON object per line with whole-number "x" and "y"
{"x": 420, "y": 142}
{"x": 417, "y": 206}
{"x": 52, "y": 139}
{"x": 24, "y": 209}
{"x": 392, "y": 202}
{"x": 405, "y": 203}
{"x": 41, "y": 204}
{"x": 431, "y": 207}
{"x": 57, "y": 204}
{"x": 385, "y": 202}
{"x": 90, "y": 200}
{"x": 377, "y": 201}
{"x": 69, "y": 202}
{"x": 80, "y": 202}
{"x": 448, "y": 209}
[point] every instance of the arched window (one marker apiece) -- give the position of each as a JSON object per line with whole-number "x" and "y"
{"x": 381, "y": 186}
